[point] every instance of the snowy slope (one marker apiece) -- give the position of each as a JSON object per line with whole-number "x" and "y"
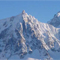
{"x": 23, "y": 37}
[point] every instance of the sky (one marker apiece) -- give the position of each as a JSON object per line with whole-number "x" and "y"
{"x": 41, "y": 10}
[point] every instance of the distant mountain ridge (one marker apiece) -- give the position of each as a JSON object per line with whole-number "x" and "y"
{"x": 25, "y": 37}
{"x": 55, "y": 21}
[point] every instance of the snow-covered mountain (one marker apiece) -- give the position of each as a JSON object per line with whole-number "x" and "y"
{"x": 55, "y": 21}
{"x": 23, "y": 37}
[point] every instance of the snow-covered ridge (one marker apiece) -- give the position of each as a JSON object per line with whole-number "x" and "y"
{"x": 23, "y": 35}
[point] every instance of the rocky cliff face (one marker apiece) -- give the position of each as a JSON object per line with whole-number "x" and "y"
{"x": 23, "y": 34}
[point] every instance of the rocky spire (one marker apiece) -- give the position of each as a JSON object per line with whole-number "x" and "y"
{"x": 23, "y": 12}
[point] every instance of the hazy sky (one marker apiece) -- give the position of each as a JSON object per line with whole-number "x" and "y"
{"x": 42, "y": 10}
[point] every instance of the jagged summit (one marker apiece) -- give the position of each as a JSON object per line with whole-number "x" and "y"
{"x": 23, "y": 11}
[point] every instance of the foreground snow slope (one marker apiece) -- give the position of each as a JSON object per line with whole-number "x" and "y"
{"x": 23, "y": 37}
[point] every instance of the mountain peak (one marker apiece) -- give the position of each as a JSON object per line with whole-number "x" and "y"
{"x": 23, "y": 35}
{"x": 58, "y": 14}
{"x": 55, "y": 21}
{"x": 23, "y": 12}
